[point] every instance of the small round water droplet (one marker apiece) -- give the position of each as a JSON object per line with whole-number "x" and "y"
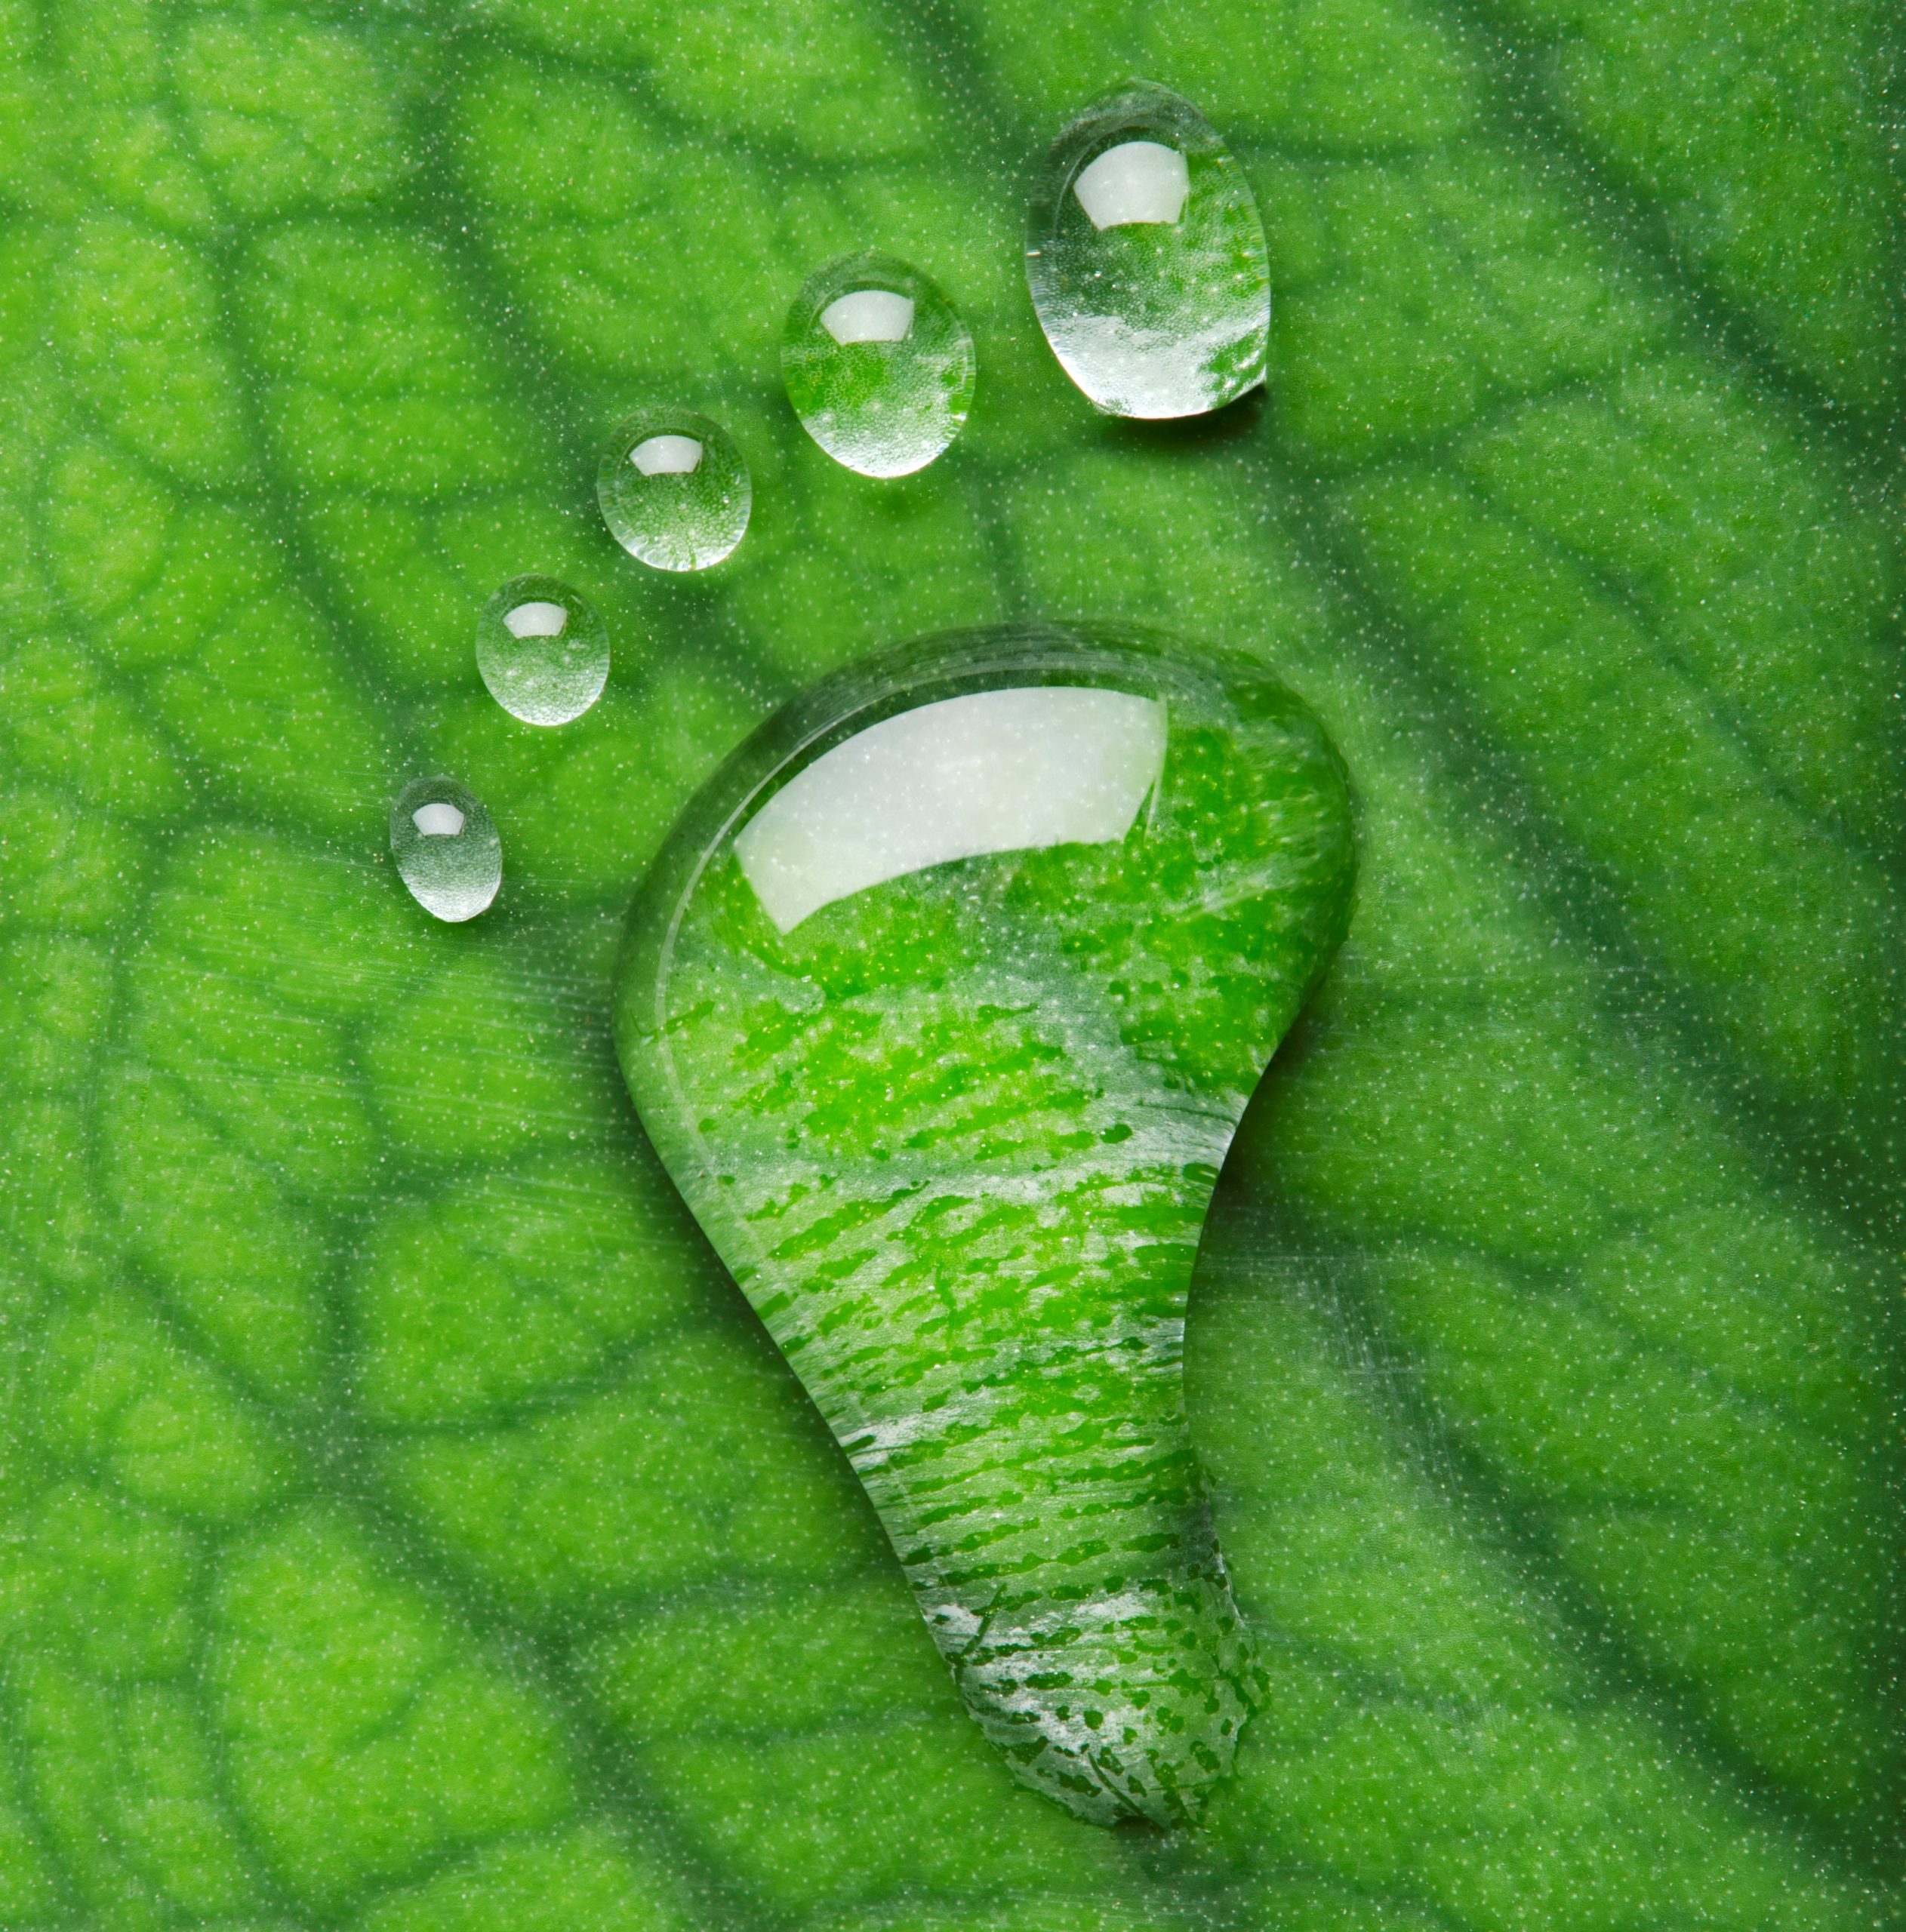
{"x": 878, "y": 366}
{"x": 542, "y": 650}
{"x": 446, "y": 847}
{"x": 674, "y": 490}
{"x": 1147, "y": 260}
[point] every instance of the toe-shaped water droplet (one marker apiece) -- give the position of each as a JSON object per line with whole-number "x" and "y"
{"x": 543, "y": 652}
{"x": 446, "y": 847}
{"x": 674, "y": 490}
{"x": 1145, "y": 258}
{"x": 942, "y": 1003}
{"x": 879, "y": 365}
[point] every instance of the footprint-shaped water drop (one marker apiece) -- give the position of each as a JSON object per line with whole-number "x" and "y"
{"x": 446, "y": 847}
{"x": 879, "y": 365}
{"x": 1146, "y": 259}
{"x": 543, "y": 652}
{"x": 674, "y": 490}
{"x": 942, "y": 1002}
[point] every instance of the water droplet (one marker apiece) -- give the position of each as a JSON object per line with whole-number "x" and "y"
{"x": 446, "y": 847}
{"x": 674, "y": 490}
{"x": 878, "y": 366}
{"x": 543, "y": 652}
{"x": 1147, "y": 260}
{"x": 941, "y": 1004}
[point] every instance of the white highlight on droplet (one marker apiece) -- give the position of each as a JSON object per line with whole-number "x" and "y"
{"x": 667, "y": 456}
{"x": 536, "y": 619}
{"x": 1136, "y": 182}
{"x": 994, "y": 771}
{"x": 438, "y": 821}
{"x": 868, "y": 315}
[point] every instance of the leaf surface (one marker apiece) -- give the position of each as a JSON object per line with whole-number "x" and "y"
{"x": 406, "y": 1525}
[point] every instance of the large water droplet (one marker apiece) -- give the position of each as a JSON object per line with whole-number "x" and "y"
{"x": 1147, "y": 260}
{"x": 674, "y": 490}
{"x": 878, "y": 366}
{"x": 543, "y": 652}
{"x": 941, "y": 1004}
{"x": 446, "y": 847}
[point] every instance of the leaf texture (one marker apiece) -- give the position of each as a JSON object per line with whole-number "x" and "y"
{"x": 403, "y": 1524}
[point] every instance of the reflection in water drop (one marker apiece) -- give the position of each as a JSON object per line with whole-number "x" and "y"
{"x": 438, "y": 820}
{"x": 1013, "y": 771}
{"x": 667, "y": 456}
{"x": 868, "y": 315}
{"x": 878, "y": 366}
{"x": 446, "y": 847}
{"x": 1146, "y": 259}
{"x": 674, "y": 490}
{"x": 543, "y": 652}
{"x": 1135, "y": 183}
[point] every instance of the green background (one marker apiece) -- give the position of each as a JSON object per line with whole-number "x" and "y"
{"x": 402, "y": 1524}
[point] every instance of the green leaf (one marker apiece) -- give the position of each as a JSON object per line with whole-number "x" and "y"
{"x": 405, "y": 1524}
